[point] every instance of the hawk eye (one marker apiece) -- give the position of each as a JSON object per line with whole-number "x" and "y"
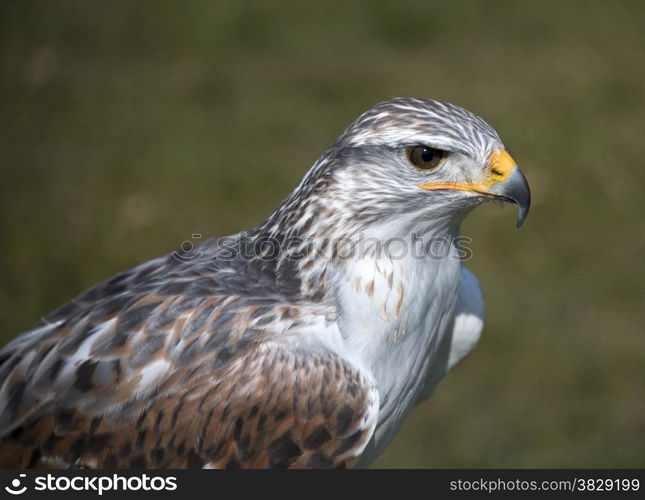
{"x": 425, "y": 157}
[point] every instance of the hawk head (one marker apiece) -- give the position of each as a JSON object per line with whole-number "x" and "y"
{"x": 416, "y": 156}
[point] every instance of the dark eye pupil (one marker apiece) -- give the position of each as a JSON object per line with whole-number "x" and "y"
{"x": 425, "y": 157}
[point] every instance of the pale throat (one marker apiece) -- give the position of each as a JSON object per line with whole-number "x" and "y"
{"x": 393, "y": 301}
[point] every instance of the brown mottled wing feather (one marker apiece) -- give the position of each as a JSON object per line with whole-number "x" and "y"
{"x": 274, "y": 406}
{"x": 173, "y": 364}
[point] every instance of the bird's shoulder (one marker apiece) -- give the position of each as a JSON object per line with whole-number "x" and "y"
{"x": 462, "y": 332}
{"x": 469, "y": 318}
{"x": 158, "y": 293}
{"x": 276, "y": 403}
{"x": 149, "y": 327}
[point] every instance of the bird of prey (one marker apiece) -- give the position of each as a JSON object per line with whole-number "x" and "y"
{"x": 304, "y": 342}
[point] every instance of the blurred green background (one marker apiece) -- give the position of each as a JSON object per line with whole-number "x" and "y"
{"x": 128, "y": 126}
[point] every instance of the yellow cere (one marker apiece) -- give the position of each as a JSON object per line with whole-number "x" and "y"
{"x": 500, "y": 165}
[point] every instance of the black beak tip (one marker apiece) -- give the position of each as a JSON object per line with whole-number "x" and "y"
{"x": 523, "y": 199}
{"x": 523, "y": 214}
{"x": 515, "y": 189}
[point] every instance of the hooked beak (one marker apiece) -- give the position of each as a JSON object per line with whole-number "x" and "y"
{"x": 504, "y": 181}
{"x": 515, "y": 189}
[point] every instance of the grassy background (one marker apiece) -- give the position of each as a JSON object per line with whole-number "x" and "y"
{"x": 128, "y": 126}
